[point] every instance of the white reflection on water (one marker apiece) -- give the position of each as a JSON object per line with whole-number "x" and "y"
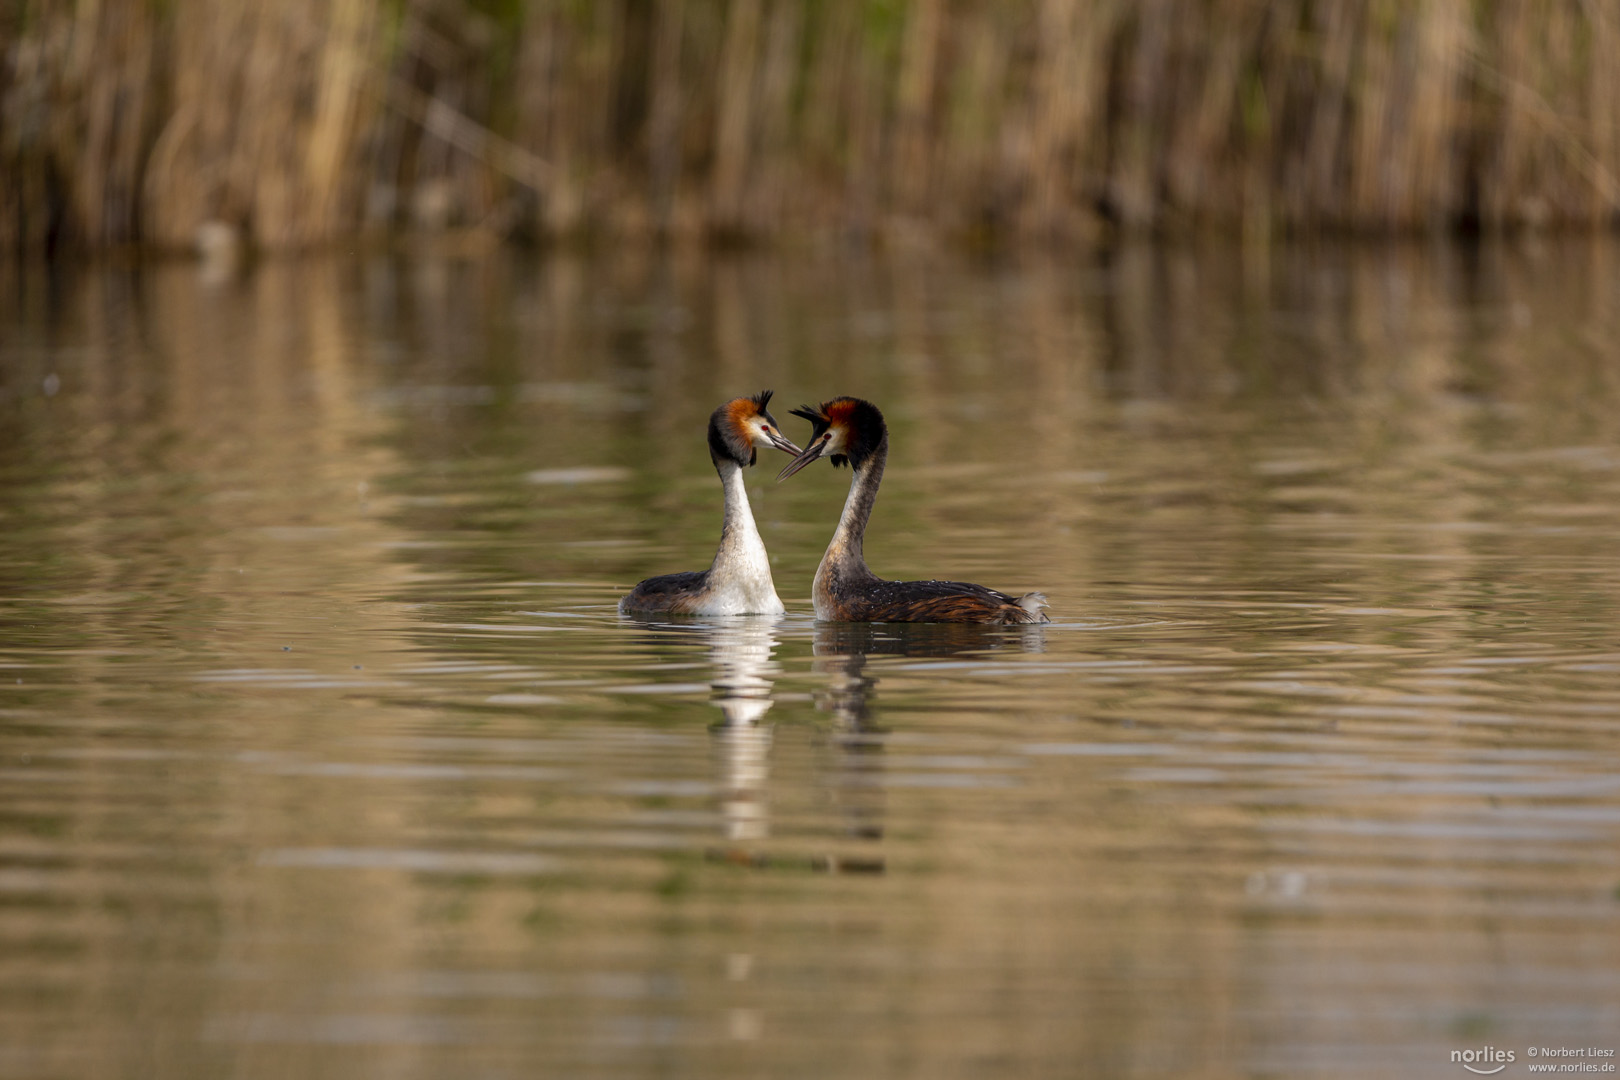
{"x": 743, "y": 674}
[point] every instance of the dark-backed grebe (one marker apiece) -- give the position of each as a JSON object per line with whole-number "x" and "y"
{"x": 850, "y": 430}
{"x": 739, "y": 580}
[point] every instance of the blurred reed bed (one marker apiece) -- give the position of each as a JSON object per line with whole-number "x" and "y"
{"x": 302, "y": 121}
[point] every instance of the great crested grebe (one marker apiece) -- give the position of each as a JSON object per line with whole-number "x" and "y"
{"x": 739, "y": 580}
{"x": 848, "y": 429}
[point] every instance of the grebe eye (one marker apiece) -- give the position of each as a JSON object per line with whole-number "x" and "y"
{"x": 764, "y": 427}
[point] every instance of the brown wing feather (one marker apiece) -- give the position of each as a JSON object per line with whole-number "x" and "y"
{"x": 934, "y": 601}
{"x": 674, "y": 593}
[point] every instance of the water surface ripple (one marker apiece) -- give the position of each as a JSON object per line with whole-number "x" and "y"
{"x": 323, "y": 751}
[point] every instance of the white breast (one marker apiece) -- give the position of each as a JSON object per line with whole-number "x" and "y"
{"x": 740, "y": 579}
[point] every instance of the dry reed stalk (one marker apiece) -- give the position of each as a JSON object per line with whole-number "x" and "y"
{"x": 824, "y": 133}
{"x": 664, "y": 112}
{"x": 538, "y": 80}
{"x": 981, "y": 132}
{"x": 777, "y": 85}
{"x": 1424, "y": 149}
{"x": 734, "y": 120}
{"x": 1375, "y": 113}
{"x": 914, "y": 105}
{"x": 333, "y": 128}
{"x": 305, "y": 120}
{"x": 1068, "y": 84}
{"x": 111, "y": 63}
{"x": 261, "y": 134}
{"x": 1603, "y": 197}
{"x": 1319, "y": 188}
{"x": 1207, "y": 54}
{"x": 1505, "y": 66}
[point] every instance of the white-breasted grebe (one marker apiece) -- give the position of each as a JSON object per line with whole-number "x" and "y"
{"x": 851, "y": 430}
{"x": 739, "y": 580}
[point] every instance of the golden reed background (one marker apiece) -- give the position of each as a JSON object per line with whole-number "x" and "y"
{"x": 296, "y": 122}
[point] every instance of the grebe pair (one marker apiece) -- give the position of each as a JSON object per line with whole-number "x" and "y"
{"x": 849, "y": 431}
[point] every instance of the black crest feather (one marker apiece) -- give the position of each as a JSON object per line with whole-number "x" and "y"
{"x": 817, "y": 418}
{"x": 866, "y": 430}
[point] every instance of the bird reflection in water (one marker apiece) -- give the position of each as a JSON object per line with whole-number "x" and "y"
{"x": 841, "y": 652}
{"x": 743, "y": 674}
{"x": 742, "y": 651}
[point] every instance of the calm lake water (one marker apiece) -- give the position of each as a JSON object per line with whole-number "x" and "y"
{"x": 323, "y": 752}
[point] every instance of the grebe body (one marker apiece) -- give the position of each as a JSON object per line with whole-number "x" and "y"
{"x": 738, "y": 582}
{"x": 850, "y": 430}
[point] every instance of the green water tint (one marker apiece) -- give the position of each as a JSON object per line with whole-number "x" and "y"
{"x": 324, "y": 752}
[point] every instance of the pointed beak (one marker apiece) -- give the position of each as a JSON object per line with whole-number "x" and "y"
{"x": 781, "y": 442}
{"x": 809, "y": 454}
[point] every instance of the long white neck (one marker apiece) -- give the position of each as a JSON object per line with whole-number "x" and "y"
{"x": 740, "y": 578}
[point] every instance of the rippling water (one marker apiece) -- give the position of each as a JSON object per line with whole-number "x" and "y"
{"x": 324, "y": 753}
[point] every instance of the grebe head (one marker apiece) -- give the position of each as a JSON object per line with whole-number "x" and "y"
{"x": 846, "y": 429}
{"x": 742, "y": 424}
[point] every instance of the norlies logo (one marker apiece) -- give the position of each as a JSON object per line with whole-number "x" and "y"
{"x": 1485, "y": 1057}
